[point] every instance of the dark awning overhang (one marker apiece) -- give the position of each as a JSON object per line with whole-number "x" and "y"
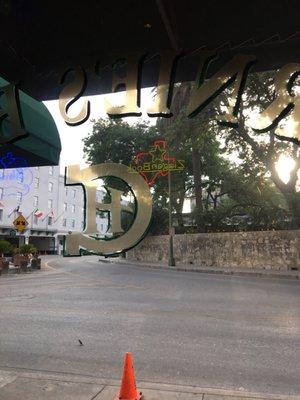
{"x": 41, "y": 40}
{"x": 41, "y": 145}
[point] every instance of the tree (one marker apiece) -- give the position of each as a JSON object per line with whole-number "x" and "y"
{"x": 27, "y": 249}
{"x": 196, "y": 141}
{"x": 230, "y": 171}
{"x": 244, "y": 203}
{"x": 114, "y": 140}
{"x": 245, "y": 191}
{"x": 259, "y": 152}
{"x": 5, "y": 247}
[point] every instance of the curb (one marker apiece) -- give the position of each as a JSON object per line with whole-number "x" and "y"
{"x": 12, "y": 374}
{"x": 261, "y": 274}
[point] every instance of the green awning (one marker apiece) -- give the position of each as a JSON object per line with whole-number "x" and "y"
{"x": 42, "y": 145}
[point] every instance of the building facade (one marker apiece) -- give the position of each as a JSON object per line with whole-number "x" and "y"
{"x": 51, "y": 208}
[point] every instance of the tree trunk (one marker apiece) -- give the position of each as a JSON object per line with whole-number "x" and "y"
{"x": 198, "y": 189}
{"x": 177, "y": 202}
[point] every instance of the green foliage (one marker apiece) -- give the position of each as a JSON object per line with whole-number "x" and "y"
{"x": 116, "y": 141}
{"x": 230, "y": 172}
{"x": 27, "y": 249}
{"x": 5, "y": 247}
{"x": 159, "y": 223}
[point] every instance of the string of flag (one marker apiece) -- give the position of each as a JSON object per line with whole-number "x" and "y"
{"x": 36, "y": 212}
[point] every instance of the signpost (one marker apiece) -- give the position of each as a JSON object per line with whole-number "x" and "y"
{"x": 12, "y": 233}
{"x": 155, "y": 163}
{"x": 20, "y": 223}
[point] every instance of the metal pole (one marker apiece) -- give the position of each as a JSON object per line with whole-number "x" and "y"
{"x": 171, "y": 253}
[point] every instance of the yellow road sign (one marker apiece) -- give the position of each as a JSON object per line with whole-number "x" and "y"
{"x": 20, "y": 223}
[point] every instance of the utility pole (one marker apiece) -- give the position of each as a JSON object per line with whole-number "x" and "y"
{"x": 171, "y": 252}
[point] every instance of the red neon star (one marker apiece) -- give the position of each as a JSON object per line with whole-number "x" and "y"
{"x": 157, "y": 154}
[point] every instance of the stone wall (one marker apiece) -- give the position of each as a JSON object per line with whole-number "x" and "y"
{"x": 278, "y": 250}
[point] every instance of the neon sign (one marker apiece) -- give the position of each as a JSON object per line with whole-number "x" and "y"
{"x": 155, "y": 163}
{"x": 17, "y": 178}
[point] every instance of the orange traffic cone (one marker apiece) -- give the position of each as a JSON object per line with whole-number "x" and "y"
{"x": 128, "y": 389}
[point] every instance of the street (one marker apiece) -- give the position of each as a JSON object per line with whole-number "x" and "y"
{"x": 183, "y": 328}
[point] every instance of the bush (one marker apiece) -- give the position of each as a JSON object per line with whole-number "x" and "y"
{"x": 27, "y": 249}
{"x": 5, "y": 247}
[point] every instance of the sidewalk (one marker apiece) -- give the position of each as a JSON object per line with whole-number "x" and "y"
{"x": 264, "y": 273}
{"x": 54, "y": 386}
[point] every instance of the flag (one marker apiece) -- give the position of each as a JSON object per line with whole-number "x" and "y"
{"x": 16, "y": 209}
{"x": 38, "y": 213}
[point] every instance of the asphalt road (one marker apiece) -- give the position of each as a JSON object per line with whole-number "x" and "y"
{"x": 182, "y": 327}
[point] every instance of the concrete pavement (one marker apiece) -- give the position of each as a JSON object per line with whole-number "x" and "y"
{"x": 29, "y": 385}
{"x": 202, "y": 330}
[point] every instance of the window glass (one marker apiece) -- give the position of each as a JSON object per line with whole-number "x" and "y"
{"x": 35, "y": 201}
{"x": 20, "y": 176}
{"x": 19, "y": 197}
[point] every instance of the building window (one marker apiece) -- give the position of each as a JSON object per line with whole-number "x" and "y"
{"x": 73, "y": 208}
{"x": 50, "y": 220}
{"x": 20, "y": 176}
{"x": 73, "y": 223}
{"x": 74, "y": 193}
{"x": 50, "y": 204}
{"x": 35, "y": 201}
{"x": 19, "y": 197}
{"x": 65, "y": 206}
{"x": 64, "y": 222}
{"x": 35, "y": 220}
{"x": 1, "y": 214}
{"x": 101, "y": 227}
{"x": 36, "y": 182}
{"x": 66, "y": 191}
{"x": 1, "y": 193}
{"x": 51, "y": 171}
{"x": 50, "y": 187}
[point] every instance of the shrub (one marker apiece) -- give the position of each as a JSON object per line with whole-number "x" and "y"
{"x": 27, "y": 249}
{"x": 5, "y": 247}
